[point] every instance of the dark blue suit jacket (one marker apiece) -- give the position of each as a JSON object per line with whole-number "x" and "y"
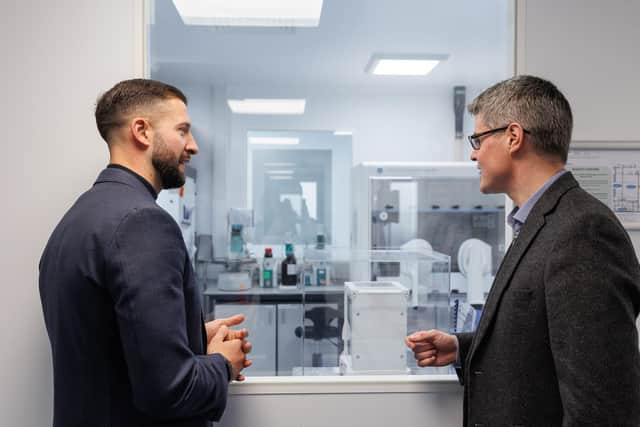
{"x": 124, "y": 315}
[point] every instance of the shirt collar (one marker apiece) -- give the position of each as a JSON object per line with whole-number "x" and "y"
{"x": 144, "y": 181}
{"x": 519, "y": 215}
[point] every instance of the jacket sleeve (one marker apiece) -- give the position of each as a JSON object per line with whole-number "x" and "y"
{"x": 464, "y": 343}
{"x": 592, "y": 297}
{"x": 146, "y": 264}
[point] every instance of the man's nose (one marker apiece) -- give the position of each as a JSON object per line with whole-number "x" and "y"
{"x": 192, "y": 146}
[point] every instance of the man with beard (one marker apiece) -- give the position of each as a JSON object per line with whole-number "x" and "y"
{"x": 121, "y": 306}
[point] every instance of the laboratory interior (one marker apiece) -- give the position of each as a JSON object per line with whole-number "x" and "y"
{"x": 333, "y": 201}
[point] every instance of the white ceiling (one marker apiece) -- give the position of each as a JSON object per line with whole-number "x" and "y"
{"x": 476, "y": 35}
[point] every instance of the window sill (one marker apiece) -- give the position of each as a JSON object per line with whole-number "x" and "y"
{"x": 347, "y": 384}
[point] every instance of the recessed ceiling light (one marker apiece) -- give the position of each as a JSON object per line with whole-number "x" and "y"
{"x": 250, "y": 13}
{"x": 403, "y": 65}
{"x": 342, "y": 133}
{"x": 274, "y": 140}
{"x": 393, "y": 178}
{"x": 279, "y": 164}
{"x": 281, "y": 172}
{"x": 267, "y": 106}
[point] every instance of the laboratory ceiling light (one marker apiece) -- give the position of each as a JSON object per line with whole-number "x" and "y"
{"x": 281, "y": 172}
{"x": 274, "y": 140}
{"x": 403, "y": 65}
{"x": 267, "y": 106}
{"x": 250, "y": 13}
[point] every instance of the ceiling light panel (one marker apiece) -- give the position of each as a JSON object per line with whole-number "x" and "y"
{"x": 250, "y": 13}
{"x": 267, "y": 106}
{"x": 399, "y": 65}
{"x": 273, "y": 140}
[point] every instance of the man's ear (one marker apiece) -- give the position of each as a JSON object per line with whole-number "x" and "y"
{"x": 141, "y": 131}
{"x": 515, "y": 135}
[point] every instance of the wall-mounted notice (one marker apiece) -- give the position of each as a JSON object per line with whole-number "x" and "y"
{"x": 611, "y": 172}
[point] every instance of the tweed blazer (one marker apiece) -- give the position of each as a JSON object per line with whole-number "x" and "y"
{"x": 124, "y": 316}
{"x": 557, "y": 343}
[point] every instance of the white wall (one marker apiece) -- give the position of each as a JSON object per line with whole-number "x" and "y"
{"x": 591, "y": 51}
{"x": 375, "y": 402}
{"x": 56, "y": 57}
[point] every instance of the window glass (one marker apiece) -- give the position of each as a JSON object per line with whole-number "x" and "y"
{"x": 285, "y": 188}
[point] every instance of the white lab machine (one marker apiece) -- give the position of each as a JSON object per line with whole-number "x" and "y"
{"x": 474, "y": 262}
{"x": 375, "y": 326}
{"x": 237, "y": 275}
{"x": 422, "y": 205}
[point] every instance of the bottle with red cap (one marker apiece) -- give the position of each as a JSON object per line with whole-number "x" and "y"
{"x": 268, "y": 273}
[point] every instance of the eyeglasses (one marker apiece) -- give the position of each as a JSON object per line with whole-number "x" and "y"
{"x": 474, "y": 139}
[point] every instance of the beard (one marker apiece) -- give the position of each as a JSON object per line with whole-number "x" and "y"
{"x": 167, "y": 166}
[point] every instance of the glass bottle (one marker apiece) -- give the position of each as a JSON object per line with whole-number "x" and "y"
{"x": 289, "y": 267}
{"x": 267, "y": 277}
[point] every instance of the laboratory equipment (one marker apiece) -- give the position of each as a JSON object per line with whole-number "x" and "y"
{"x": 234, "y": 281}
{"x": 474, "y": 261}
{"x": 439, "y": 203}
{"x": 317, "y": 263}
{"x": 204, "y": 256}
{"x": 239, "y": 226}
{"x": 236, "y": 244}
{"x": 375, "y": 326}
{"x": 268, "y": 272}
{"x": 289, "y": 268}
{"x": 306, "y": 324}
{"x": 321, "y": 266}
{"x": 306, "y": 273}
{"x": 180, "y": 203}
{"x": 238, "y": 265}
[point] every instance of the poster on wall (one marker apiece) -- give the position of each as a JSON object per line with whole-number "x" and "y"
{"x": 611, "y": 172}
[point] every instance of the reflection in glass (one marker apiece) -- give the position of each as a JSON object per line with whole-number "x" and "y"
{"x": 293, "y": 188}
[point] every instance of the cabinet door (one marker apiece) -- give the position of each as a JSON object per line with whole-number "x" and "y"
{"x": 260, "y": 321}
{"x": 289, "y": 342}
{"x": 323, "y": 341}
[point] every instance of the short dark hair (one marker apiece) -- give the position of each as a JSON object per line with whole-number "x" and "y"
{"x": 126, "y": 97}
{"x": 536, "y": 104}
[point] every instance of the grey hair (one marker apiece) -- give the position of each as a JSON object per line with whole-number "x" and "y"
{"x": 536, "y": 104}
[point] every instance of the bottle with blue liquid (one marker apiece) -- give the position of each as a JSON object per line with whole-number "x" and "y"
{"x": 321, "y": 263}
{"x": 236, "y": 243}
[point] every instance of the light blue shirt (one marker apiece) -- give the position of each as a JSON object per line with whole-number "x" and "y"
{"x": 516, "y": 220}
{"x": 519, "y": 215}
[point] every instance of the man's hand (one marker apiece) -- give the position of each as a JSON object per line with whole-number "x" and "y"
{"x": 234, "y": 350}
{"x": 433, "y": 347}
{"x": 213, "y": 326}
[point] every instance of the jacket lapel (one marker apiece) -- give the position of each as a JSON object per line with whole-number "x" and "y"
{"x": 503, "y": 277}
{"x": 532, "y": 226}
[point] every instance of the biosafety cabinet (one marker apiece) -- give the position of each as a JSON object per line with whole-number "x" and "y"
{"x": 431, "y": 207}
